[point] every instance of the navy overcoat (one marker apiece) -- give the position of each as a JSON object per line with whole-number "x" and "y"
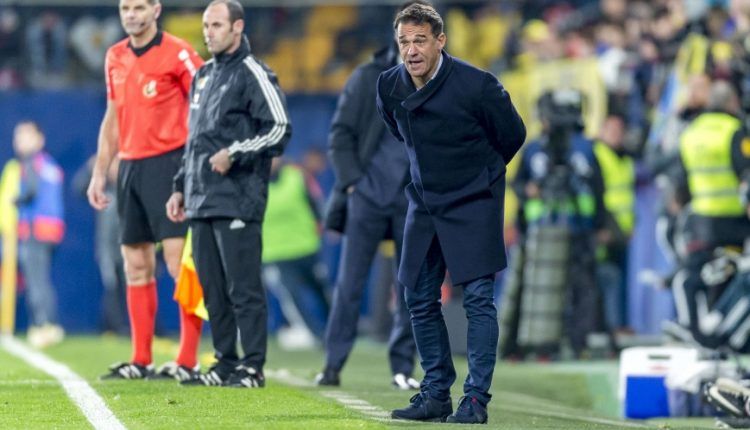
{"x": 460, "y": 131}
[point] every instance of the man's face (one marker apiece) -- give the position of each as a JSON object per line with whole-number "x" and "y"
{"x": 27, "y": 140}
{"x": 420, "y": 50}
{"x": 218, "y": 33}
{"x": 137, "y": 16}
{"x": 613, "y": 132}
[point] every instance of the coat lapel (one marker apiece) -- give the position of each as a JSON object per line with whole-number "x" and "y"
{"x": 417, "y": 98}
{"x": 403, "y": 86}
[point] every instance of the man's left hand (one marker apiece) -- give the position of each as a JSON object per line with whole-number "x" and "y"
{"x": 220, "y": 162}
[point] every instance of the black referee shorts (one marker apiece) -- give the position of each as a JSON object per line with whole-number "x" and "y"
{"x": 143, "y": 188}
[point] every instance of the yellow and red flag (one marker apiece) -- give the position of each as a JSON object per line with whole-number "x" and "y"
{"x": 9, "y": 188}
{"x": 188, "y": 291}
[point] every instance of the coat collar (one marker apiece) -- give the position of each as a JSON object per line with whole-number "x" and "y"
{"x": 406, "y": 91}
{"x": 241, "y": 52}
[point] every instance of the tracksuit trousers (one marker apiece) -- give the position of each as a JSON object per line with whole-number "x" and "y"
{"x": 227, "y": 256}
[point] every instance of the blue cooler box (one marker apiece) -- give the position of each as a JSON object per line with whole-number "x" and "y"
{"x": 643, "y": 370}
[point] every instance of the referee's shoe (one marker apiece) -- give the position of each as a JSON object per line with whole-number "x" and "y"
{"x": 172, "y": 370}
{"x": 128, "y": 371}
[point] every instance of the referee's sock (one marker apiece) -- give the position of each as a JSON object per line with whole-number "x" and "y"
{"x": 142, "y": 301}
{"x": 190, "y": 336}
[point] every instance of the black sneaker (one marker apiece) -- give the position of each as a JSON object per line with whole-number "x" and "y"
{"x": 424, "y": 408}
{"x": 728, "y": 396}
{"x": 328, "y": 377}
{"x": 172, "y": 370}
{"x": 212, "y": 378}
{"x": 246, "y": 377}
{"x": 469, "y": 411}
{"x": 128, "y": 371}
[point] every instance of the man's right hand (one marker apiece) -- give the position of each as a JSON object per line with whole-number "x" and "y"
{"x": 176, "y": 207}
{"x": 98, "y": 199}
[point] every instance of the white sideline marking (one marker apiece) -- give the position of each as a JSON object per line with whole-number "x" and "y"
{"x": 358, "y": 405}
{"x": 92, "y": 406}
{"x": 349, "y": 401}
{"x": 284, "y": 375}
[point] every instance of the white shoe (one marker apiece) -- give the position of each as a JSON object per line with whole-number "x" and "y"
{"x": 403, "y": 382}
{"x": 55, "y": 334}
{"x": 295, "y": 338}
{"x": 35, "y": 336}
{"x": 46, "y": 335}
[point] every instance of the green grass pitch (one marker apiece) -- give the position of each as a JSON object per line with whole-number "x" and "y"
{"x": 573, "y": 396}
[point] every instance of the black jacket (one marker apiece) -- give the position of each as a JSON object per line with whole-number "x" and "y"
{"x": 235, "y": 103}
{"x": 356, "y": 132}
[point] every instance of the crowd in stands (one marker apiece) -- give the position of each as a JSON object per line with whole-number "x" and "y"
{"x": 314, "y": 49}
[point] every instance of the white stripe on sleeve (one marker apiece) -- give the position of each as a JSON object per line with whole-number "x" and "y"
{"x": 274, "y": 105}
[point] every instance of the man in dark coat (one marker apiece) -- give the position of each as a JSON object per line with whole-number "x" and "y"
{"x": 460, "y": 130}
{"x": 371, "y": 169}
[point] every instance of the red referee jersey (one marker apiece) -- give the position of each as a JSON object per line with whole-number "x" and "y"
{"x": 149, "y": 88}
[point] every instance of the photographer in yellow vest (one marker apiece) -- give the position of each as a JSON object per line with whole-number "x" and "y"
{"x": 618, "y": 174}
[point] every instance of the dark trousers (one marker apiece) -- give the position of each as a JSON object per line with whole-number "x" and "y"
{"x": 366, "y": 225}
{"x": 432, "y": 336}
{"x": 35, "y": 259}
{"x": 300, "y": 280}
{"x": 227, "y": 259}
{"x": 610, "y": 277}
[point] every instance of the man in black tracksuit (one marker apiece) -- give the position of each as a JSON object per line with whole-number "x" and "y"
{"x": 238, "y": 122}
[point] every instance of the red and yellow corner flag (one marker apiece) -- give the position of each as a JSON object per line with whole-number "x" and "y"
{"x": 188, "y": 291}
{"x": 10, "y": 181}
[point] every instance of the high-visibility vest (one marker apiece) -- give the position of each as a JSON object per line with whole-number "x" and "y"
{"x": 618, "y": 173}
{"x": 290, "y": 229}
{"x": 706, "y": 150}
{"x": 42, "y": 217}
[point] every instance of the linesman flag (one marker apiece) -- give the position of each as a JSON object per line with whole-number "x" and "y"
{"x": 188, "y": 291}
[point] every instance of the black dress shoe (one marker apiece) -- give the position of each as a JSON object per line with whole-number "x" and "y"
{"x": 469, "y": 411}
{"x": 424, "y": 408}
{"x": 328, "y": 377}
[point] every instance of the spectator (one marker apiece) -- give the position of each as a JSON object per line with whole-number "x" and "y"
{"x": 618, "y": 173}
{"x": 10, "y": 49}
{"x": 46, "y": 44}
{"x": 291, "y": 267}
{"x": 107, "y": 250}
{"x": 40, "y": 229}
